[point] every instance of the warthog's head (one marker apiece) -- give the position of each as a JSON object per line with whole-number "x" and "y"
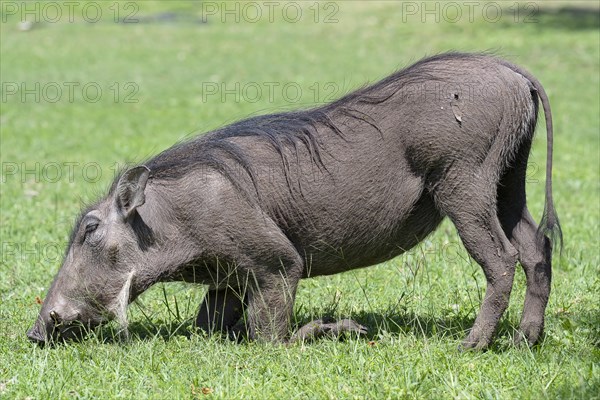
{"x": 94, "y": 283}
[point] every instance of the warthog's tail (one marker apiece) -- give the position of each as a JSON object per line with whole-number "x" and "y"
{"x": 549, "y": 225}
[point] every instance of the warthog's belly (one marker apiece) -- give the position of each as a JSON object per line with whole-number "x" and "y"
{"x": 376, "y": 244}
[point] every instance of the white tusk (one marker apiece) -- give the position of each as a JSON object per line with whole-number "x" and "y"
{"x": 119, "y": 309}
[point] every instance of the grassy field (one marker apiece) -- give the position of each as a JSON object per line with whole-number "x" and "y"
{"x": 87, "y": 92}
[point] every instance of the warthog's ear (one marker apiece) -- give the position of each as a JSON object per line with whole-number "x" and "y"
{"x": 130, "y": 190}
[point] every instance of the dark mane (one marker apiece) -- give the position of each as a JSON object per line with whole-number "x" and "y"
{"x": 286, "y": 130}
{"x": 282, "y": 131}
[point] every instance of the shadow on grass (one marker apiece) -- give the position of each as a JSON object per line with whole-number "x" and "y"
{"x": 379, "y": 325}
{"x": 147, "y": 330}
{"x": 586, "y": 324}
{"x": 568, "y": 17}
{"x": 592, "y": 322}
{"x": 454, "y": 328}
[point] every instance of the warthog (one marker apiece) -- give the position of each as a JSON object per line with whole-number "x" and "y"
{"x": 252, "y": 208}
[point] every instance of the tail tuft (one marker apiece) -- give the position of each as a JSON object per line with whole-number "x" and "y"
{"x": 550, "y": 227}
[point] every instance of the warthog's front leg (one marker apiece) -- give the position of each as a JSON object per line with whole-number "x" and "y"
{"x": 319, "y": 328}
{"x": 220, "y": 310}
{"x": 270, "y": 306}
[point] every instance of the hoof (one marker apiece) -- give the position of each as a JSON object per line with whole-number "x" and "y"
{"x": 529, "y": 334}
{"x": 475, "y": 341}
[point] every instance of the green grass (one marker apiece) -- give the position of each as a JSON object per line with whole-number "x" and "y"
{"x": 417, "y": 307}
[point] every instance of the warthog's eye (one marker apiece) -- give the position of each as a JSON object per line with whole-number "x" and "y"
{"x": 91, "y": 227}
{"x": 88, "y": 226}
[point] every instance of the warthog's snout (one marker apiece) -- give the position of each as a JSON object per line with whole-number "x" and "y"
{"x": 43, "y": 325}
{"x": 50, "y": 326}
{"x": 35, "y": 335}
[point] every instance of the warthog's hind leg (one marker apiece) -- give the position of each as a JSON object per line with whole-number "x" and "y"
{"x": 471, "y": 205}
{"x": 535, "y": 252}
{"x": 535, "y": 257}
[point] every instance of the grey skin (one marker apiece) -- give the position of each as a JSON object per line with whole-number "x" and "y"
{"x": 252, "y": 208}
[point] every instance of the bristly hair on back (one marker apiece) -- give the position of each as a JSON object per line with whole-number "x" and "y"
{"x": 288, "y": 130}
{"x": 282, "y": 131}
